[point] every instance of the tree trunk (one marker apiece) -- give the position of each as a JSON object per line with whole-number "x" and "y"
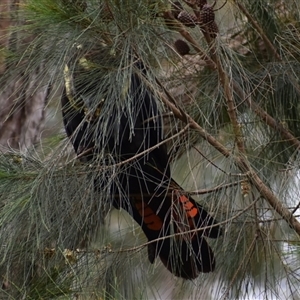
{"x": 22, "y": 96}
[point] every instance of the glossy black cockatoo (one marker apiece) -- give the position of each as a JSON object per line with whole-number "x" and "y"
{"x": 130, "y": 133}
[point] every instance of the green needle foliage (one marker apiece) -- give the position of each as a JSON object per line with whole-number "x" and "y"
{"x": 231, "y": 120}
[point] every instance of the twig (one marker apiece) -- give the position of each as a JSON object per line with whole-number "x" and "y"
{"x": 241, "y": 162}
{"x": 180, "y": 28}
{"x": 265, "y": 117}
{"x": 123, "y": 162}
{"x": 188, "y": 231}
{"x": 252, "y": 105}
{"x": 228, "y": 91}
{"x": 215, "y": 189}
{"x": 247, "y": 256}
{"x": 259, "y": 29}
{"x": 213, "y": 164}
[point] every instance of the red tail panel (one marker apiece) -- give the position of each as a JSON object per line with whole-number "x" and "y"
{"x": 184, "y": 250}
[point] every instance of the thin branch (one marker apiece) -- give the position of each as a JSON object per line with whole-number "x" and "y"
{"x": 255, "y": 24}
{"x": 215, "y": 189}
{"x": 191, "y": 193}
{"x": 265, "y": 117}
{"x": 189, "y": 231}
{"x": 247, "y": 257}
{"x": 231, "y": 108}
{"x": 123, "y": 162}
{"x": 212, "y": 163}
{"x": 241, "y": 162}
{"x": 181, "y": 29}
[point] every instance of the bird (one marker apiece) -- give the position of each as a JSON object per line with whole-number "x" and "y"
{"x": 176, "y": 226}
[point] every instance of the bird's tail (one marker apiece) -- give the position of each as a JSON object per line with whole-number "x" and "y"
{"x": 176, "y": 227}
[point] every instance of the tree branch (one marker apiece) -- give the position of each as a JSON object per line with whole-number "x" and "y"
{"x": 259, "y": 29}
{"x": 265, "y": 117}
{"x": 241, "y": 162}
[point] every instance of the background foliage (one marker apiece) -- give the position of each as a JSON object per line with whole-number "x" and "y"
{"x": 232, "y": 121}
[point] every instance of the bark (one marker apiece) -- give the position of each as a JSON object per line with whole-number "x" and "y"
{"x": 22, "y": 95}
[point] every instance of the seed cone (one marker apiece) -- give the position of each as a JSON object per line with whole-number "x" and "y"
{"x": 212, "y": 29}
{"x": 187, "y": 19}
{"x": 182, "y": 47}
{"x": 207, "y": 15}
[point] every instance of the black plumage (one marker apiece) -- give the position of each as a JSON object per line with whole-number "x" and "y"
{"x": 143, "y": 187}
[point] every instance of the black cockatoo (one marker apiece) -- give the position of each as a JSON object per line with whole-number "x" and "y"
{"x": 145, "y": 189}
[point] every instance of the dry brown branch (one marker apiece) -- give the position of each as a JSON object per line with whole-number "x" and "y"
{"x": 210, "y": 162}
{"x": 265, "y": 117}
{"x": 255, "y": 24}
{"x": 241, "y": 162}
{"x": 185, "y": 34}
{"x": 226, "y": 82}
{"x": 215, "y": 189}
